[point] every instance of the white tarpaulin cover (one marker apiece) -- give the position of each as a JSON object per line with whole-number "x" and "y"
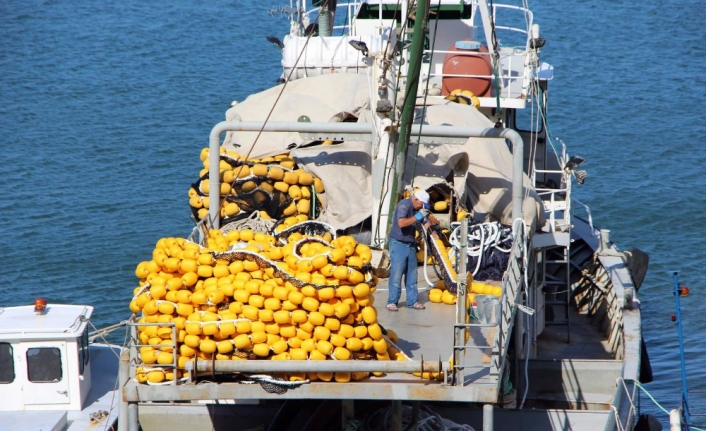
{"x": 322, "y": 98}
{"x": 481, "y": 168}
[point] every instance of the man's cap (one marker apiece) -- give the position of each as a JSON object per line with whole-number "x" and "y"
{"x": 422, "y": 195}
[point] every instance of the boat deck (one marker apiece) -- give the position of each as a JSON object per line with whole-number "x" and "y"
{"x": 586, "y": 340}
{"x": 422, "y": 335}
{"x": 426, "y": 334}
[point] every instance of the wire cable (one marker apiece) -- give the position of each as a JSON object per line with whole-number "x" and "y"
{"x": 269, "y": 114}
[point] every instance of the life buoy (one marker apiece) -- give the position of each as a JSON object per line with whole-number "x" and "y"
{"x": 464, "y": 97}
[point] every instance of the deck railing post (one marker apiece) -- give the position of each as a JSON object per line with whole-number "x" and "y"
{"x": 396, "y": 415}
{"x": 459, "y": 331}
{"x": 123, "y": 377}
{"x": 487, "y": 417}
{"x": 133, "y": 423}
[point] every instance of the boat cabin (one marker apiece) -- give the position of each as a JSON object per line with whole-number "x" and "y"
{"x": 44, "y": 357}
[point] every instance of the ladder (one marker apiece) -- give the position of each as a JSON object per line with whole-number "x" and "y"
{"x": 553, "y": 248}
{"x": 556, "y": 286}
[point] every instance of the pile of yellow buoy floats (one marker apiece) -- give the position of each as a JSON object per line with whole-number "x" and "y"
{"x": 308, "y": 299}
{"x": 247, "y": 295}
{"x": 247, "y": 184}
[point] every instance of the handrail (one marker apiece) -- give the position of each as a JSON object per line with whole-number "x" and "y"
{"x": 529, "y": 16}
{"x": 512, "y": 283}
{"x": 135, "y": 345}
{"x": 588, "y": 211}
{"x": 362, "y": 128}
{"x": 267, "y": 367}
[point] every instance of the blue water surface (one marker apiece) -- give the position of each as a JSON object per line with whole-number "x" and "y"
{"x": 105, "y": 106}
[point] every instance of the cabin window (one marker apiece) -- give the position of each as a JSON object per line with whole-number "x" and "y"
{"x": 44, "y": 365}
{"x": 83, "y": 351}
{"x": 7, "y": 365}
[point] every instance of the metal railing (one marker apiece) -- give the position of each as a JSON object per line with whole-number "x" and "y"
{"x": 352, "y": 7}
{"x": 528, "y": 15}
{"x": 585, "y": 208}
{"x": 552, "y": 205}
{"x": 351, "y": 10}
{"x": 556, "y": 199}
{"x": 507, "y": 75}
{"x": 499, "y": 333}
{"x": 135, "y": 345}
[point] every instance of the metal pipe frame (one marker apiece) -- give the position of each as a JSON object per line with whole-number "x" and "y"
{"x": 266, "y": 367}
{"x": 368, "y": 128}
{"x": 123, "y": 377}
{"x": 461, "y": 310}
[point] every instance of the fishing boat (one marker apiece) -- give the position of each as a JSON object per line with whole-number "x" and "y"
{"x": 376, "y": 99}
{"x": 52, "y": 375}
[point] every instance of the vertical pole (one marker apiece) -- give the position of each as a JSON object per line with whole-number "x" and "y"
{"x": 675, "y": 420}
{"x": 396, "y": 415}
{"x": 133, "y": 349}
{"x": 410, "y": 98}
{"x": 347, "y": 412}
{"x": 462, "y": 282}
{"x": 133, "y": 423}
{"x": 326, "y": 18}
{"x": 123, "y": 376}
{"x": 415, "y": 415}
{"x": 685, "y": 393}
{"x": 519, "y": 331}
{"x": 487, "y": 417}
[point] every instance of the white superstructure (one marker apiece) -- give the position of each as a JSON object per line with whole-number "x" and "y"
{"x": 47, "y": 364}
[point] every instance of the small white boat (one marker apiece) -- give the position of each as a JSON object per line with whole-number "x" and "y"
{"x": 51, "y": 376}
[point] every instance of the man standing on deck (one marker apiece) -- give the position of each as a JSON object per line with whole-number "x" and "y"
{"x": 403, "y": 250}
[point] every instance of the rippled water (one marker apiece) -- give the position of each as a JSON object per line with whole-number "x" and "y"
{"x": 106, "y": 105}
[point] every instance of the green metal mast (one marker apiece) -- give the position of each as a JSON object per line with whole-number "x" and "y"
{"x": 410, "y": 97}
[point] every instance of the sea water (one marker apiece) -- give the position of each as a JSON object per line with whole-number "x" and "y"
{"x": 105, "y": 106}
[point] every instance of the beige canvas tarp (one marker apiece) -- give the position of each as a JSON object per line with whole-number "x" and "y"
{"x": 481, "y": 168}
{"x": 322, "y": 98}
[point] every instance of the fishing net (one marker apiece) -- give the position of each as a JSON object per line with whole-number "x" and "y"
{"x": 272, "y": 186}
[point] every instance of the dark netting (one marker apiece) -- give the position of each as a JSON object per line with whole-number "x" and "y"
{"x": 492, "y": 266}
{"x": 263, "y": 263}
{"x": 299, "y": 244}
{"x": 256, "y": 193}
{"x": 308, "y": 228}
{"x": 494, "y": 257}
{"x": 272, "y": 387}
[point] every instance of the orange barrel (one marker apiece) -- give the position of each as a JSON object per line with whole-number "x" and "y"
{"x": 467, "y": 64}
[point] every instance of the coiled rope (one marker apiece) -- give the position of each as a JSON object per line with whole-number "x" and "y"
{"x": 481, "y": 237}
{"x": 254, "y": 222}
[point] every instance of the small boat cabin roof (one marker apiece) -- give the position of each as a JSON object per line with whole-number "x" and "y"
{"x": 56, "y": 321}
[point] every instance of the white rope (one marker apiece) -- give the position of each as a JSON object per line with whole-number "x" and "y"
{"x": 617, "y": 418}
{"x": 254, "y": 222}
{"x": 425, "y": 242}
{"x": 268, "y": 379}
{"x": 481, "y": 237}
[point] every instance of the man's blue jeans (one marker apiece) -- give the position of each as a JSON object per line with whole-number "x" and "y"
{"x": 403, "y": 260}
